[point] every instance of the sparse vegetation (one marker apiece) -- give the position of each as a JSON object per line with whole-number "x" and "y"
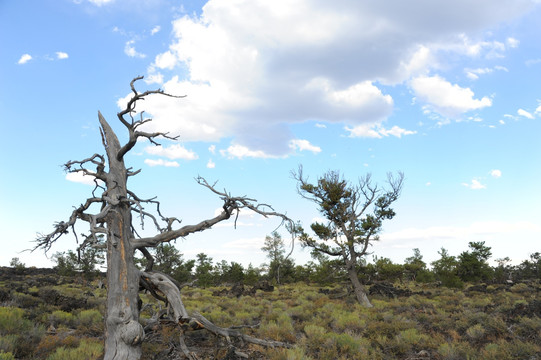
{"x": 498, "y": 321}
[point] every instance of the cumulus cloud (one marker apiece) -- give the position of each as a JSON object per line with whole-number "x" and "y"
{"x": 474, "y": 74}
{"x": 211, "y": 164}
{"x": 172, "y": 152}
{"x": 81, "y": 178}
{"x": 61, "y": 55}
{"x": 512, "y": 42}
{"x": 129, "y": 49}
{"x": 100, "y": 2}
{"x": 239, "y": 151}
{"x": 525, "y": 113}
{"x": 24, "y": 59}
{"x": 304, "y": 145}
{"x": 161, "y": 162}
{"x": 155, "y": 30}
{"x": 474, "y": 185}
{"x": 377, "y": 131}
{"x": 447, "y": 99}
{"x": 255, "y": 67}
{"x": 496, "y": 173}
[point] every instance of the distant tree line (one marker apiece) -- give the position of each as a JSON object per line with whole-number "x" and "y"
{"x": 470, "y": 266}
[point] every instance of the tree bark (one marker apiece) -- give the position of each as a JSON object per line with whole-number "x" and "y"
{"x": 358, "y": 288}
{"x": 123, "y": 333}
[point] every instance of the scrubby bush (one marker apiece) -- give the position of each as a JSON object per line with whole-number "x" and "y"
{"x": 87, "y": 350}
{"x": 6, "y": 356}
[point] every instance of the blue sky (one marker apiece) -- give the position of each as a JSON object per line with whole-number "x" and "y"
{"x": 447, "y": 92}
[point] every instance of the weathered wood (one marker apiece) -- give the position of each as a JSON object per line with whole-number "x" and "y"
{"x": 196, "y": 320}
{"x": 171, "y": 292}
{"x": 123, "y": 333}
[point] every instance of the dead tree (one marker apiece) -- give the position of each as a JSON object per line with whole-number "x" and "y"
{"x": 354, "y": 217}
{"x": 110, "y": 211}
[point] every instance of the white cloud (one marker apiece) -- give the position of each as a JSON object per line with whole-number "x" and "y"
{"x": 475, "y": 185}
{"x": 155, "y": 30}
{"x": 161, "y": 162}
{"x": 525, "y": 113}
{"x": 239, "y": 151}
{"x": 396, "y": 131}
{"x": 364, "y": 130}
{"x": 255, "y": 67}
{"x": 81, "y": 178}
{"x": 61, "y": 55}
{"x": 165, "y": 60}
{"x": 154, "y": 78}
{"x": 495, "y": 173}
{"x": 473, "y": 74}
{"x": 24, "y": 59}
{"x": 512, "y": 42}
{"x": 100, "y": 2}
{"x": 303, "y": 145}
{"x": 129, "y": 50}
{"x": 445, "y": 98}
{"x": 211, "y": 164}
{"x": 172, "y": 152}
{"x": 377, "y": 131}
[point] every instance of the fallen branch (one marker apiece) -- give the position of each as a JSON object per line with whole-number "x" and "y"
{"x": 161, "y": 285}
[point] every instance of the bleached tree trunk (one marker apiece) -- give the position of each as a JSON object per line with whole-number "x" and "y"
{"x": 123, "y": 333}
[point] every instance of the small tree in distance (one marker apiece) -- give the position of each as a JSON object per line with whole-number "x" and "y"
{"x": 109, "y": 212}
{"x": 274, "y": 247}
{"x": 354, "y": 216}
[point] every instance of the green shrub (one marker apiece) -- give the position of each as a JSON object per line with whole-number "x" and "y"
{"x": 60, "y": 317}
{"x": 281, "y": 329}
{"x": 49, "y": 343}
{"x": 529, "y": 329}
{"x": 27, "y": 341}
{"x": 476, "y": 333}
{"x": 347, "y": 320}
{"x": 6, "y": 356}
{"x": 520, "y": 288}
{"x": 8, "y": 343}
{"x": 87, "y": 350}
{"x": 90, "y": 320}
{"x": 12, "y": 321}
{"x": 296, "y": 353}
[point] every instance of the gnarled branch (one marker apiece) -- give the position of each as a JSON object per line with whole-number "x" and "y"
{"x": 231, "y": 204}
{"x": 133, "y": 124}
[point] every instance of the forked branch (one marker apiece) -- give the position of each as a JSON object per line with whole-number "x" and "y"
{"x": 231, "y": 204}
{"x": 133, "y": 124}
{"x": 164, "y": 287}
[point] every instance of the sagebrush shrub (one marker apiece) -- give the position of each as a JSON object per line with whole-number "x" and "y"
{"x": 87, "y": 350}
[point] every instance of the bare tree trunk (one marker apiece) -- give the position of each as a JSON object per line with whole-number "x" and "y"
{"x": 358, "y": 288}
{"x": 123, "y": 333}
